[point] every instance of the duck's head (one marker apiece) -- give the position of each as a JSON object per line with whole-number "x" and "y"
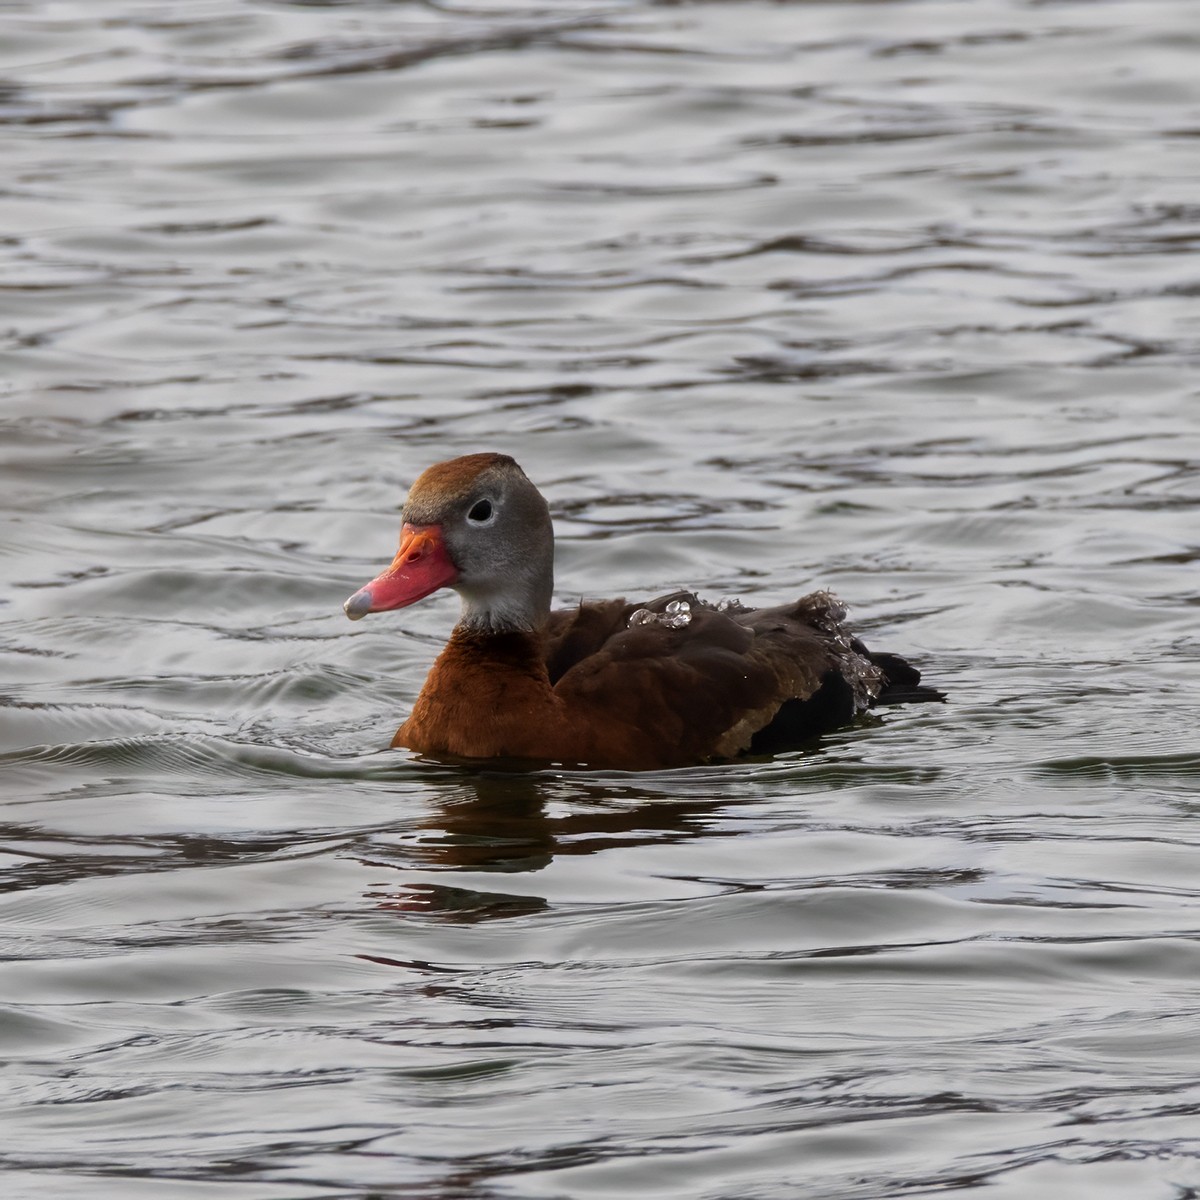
{"x": 477, "y": 525}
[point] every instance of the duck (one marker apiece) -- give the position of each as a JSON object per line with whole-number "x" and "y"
{"x": 621, "y": 684}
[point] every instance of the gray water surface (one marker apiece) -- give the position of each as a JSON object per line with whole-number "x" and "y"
{"x": 898, "y": 299}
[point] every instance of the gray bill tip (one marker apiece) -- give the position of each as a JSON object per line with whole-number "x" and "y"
{"x": 358, "y": 605}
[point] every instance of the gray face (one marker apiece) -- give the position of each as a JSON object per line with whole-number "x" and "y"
{"x": 496, "y": 527}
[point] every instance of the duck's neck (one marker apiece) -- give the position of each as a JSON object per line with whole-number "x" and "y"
{"x": 521, "y": 606}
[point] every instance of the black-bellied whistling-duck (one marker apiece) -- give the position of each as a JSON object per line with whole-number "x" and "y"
{"x": 666, "y": 683}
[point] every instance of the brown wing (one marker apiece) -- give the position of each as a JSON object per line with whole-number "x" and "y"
{"x": 652, "y": 695}
{"x": 573, "y": 634}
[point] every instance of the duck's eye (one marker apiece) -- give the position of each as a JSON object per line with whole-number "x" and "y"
{"x": 481, "y": 512}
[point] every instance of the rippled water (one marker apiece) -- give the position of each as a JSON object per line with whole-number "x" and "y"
{"x": 898, "y": 299}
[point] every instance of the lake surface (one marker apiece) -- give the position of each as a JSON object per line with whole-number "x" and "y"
{"x": 898, "y": 299}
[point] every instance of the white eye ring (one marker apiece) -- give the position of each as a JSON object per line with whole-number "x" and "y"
{"x": 482, "y": 512}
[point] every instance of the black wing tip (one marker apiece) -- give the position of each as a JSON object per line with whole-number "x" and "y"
{"x": 902, "y": 682}
{"x": 909, "y": 694}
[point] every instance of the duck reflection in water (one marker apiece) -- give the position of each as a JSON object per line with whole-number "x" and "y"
{"x": 519, "y": 822}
